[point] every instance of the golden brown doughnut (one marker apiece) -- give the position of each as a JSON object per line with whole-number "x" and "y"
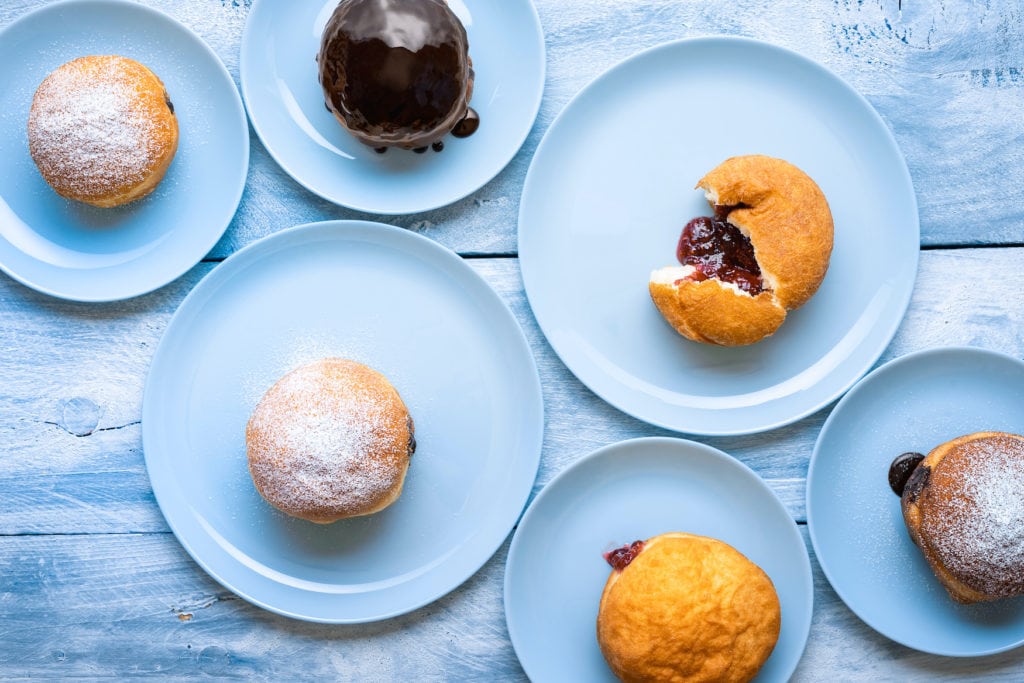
{"x": 963, "y": 506}
{"x": 330, "y": 440}
{"x": 781, "y": 213}
{"x": 680, "y": 607}
{"x": 102, "y": 130}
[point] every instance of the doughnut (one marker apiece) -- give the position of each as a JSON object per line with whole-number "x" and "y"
{"x": 963, "y": 506}
{"x": 102, "y": 130}
{"x": 763, "y": 253}
{"x": 397, "y": 73}
{"x": 681, "y": 607}
{"x": 330, "y": 440}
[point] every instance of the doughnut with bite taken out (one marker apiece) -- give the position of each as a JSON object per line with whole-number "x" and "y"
{"x": 763, "y": 254}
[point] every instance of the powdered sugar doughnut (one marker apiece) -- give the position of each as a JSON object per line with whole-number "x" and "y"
{"x": 330, "y": 440}
{"x": 102, "y": 130}
{"x": 963, "y": 507}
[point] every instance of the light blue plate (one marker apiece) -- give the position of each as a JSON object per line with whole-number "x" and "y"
{"x": 609, "y": 192}
{"x": 631, "y": 491}
{"x": 286, "y": 106}
{"x": 913, "y": 403}
{"x": 401, "y": 304}
{"x": 75, "y": 251}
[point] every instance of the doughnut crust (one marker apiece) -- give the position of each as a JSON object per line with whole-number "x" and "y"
{"x": 102, "y": 130}
{"x": 964, "y": 508}
{"x": 330, "y": 440}
{"x": 787, "y": 219}
{"x": 688, "y": 608}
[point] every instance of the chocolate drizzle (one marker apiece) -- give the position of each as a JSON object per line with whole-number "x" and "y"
{"x": 396, "y": 72}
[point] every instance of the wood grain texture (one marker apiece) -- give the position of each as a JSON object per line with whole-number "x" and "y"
{"x": 93, "y": 586}
{"x": 74, "y": 374}
{"x": 947, "y": 78}
{"x": 134, "y": 605}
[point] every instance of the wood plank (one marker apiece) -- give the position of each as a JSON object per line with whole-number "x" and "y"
{"x": 65, "y": 364}
{"x": 948, "y": 104}
{"x": 126, "y": 605}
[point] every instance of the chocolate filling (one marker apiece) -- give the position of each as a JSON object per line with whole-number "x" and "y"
{"x": 917, "y": 482}
{"x": 901, "y": 469}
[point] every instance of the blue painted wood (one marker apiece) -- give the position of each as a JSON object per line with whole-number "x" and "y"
{"x": 93, "y": 585}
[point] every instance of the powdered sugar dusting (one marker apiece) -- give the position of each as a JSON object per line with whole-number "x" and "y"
{"x": 322, "y": 441}
{"x": 978, "y": 531}
{"x": 87, "y": 133}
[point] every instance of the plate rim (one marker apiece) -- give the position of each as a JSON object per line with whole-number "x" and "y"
{"x": 267, "y": 242}
{"x": 246, "y": 47}
{"x": 207, "y": 245}
{"x": 890, "y": 142}
{"x": 889, "y": 366}
{"x": 667, "y": 442}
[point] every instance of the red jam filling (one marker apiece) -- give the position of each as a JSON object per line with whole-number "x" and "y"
{"x": 717, "y": 249}
{"x": 620, "y": 558}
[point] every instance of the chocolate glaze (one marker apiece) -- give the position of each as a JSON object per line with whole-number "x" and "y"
{"x": 396, "y": 72}
{"x": 901, "y": 469}
{"x": 717, "y": 249}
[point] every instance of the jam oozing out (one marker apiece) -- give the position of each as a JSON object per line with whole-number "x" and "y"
{"x": 620, "y": 558}
{"x": 901, "y": 469}
{"x": 717, "y": 249}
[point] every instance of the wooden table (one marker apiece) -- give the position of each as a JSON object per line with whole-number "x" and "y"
{"x": 92, "y": 582}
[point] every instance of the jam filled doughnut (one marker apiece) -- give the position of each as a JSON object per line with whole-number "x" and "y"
{"x": 963, "y": 505}
{"x": 397, "y": 73}
{"x": 330, "y": 440}
{"x": 102, "y": 130}
{"x": 763, "y": 253}
{"x": 681, "y": 607}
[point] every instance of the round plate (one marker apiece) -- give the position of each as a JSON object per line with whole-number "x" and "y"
{"x": 80, "y": 252}
{"x": 634, "y": 490}
{"x": 286, "y": 105}
{"x": 402, "y": 305}
{"x": 604, "y": 204}
{"x": 913, "y": 403}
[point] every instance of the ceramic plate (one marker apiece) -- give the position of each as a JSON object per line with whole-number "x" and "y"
{"x": 634, "y": 490}
{"x": 913, "y": 403}
{"x": 286, "y": 105}
{"x": 75, "y": 251}
{"x": 608, "y": 194}
{"x": 398, "y": 303}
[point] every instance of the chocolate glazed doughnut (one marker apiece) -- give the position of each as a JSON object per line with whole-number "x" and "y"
{"x": 397, "y": 73}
